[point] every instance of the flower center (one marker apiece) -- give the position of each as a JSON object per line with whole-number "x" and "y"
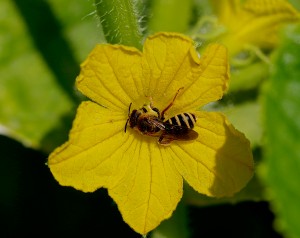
{"x": 149, "y": 121}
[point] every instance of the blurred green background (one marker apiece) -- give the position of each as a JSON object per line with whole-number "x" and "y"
{"x": 41, "y": 46}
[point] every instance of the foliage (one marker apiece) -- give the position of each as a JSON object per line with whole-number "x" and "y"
{"x": 281, "y": 103}
{"x": 42, "y": 46}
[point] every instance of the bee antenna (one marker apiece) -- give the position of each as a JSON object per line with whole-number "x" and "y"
{"x": 129, "y": 109}
{"x": 126, "y": 125}
{"x": 128, "y": 117}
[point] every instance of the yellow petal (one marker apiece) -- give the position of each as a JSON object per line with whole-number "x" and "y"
{"x": 226, "y": 9}
{"x": 266, "y": 18}
{"x": 171, "y": 59}
{"x": 174, "y": 63}
{"x": 112, "y": 76}
{"x": 150, "y": 188}
{"x": 96, "y": 144}
{"x": 140, "y": 176}
{"x": 211, "y": 83}
{"x": 219, "y": 163}
{"x": 256, "y": 23}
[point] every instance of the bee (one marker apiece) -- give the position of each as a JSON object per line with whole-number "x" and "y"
{"x": 148, "y": 120}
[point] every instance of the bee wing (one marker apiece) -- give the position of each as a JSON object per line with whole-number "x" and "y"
{"x": 175, "y": 132}
{"x": 190, "y": 135}
{"x": 156, "y": 123}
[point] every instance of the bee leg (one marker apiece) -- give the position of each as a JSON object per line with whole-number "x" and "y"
{"x": 171, "y": 104}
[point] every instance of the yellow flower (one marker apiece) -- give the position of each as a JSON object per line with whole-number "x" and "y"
{"x": 144, "y": 178}
{"x": 252, "y": 23}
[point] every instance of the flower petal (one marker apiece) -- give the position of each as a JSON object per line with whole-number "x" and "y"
{"x": 265, "y": 17}
{"x": 211, "y": 83}
{"x": 96, "y": 144}
{"x": 140, "y": 176}
{"x": 226, "y": 9}
{"x": 111, "y": 76}
{"x": 256, "y": 22}
{"x": 170, "y": 57}
{"x": 150, "y": 188}
{"x": 219, "y": 163}
{"x": 174, "y": 63}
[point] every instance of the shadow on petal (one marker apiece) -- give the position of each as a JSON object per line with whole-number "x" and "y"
{"x": 234, "y": 163}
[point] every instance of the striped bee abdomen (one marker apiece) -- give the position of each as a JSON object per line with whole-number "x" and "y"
{"x": 185, "y": 119}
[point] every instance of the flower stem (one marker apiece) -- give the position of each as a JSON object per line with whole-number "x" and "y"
{"x": 172, "y": 15}
{"x": 119, "y": 22}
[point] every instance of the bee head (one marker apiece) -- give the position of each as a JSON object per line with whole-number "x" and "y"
{"x": 132, "y": 117}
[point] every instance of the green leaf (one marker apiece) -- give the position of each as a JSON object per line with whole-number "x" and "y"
{"x": 246, "y": 117}
{"x": 39, "y": 64}
{"x": 248, "y": 77}
{"x": 79, "y": 25}
{"x": 282, "y": 154}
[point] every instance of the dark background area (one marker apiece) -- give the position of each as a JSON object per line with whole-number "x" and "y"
{"x": 33, "y": 204}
